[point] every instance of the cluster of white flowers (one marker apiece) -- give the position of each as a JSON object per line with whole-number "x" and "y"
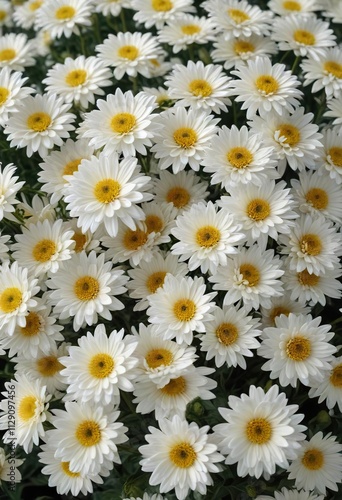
{"x": 175, "y": 243}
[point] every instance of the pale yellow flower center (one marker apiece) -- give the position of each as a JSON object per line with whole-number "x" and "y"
{"x": 129, "y": 52}
{"x": 7, "y": 54}
{"x": 154, "y": 224}
{"x": 250, "y": 274}
{"x": 162, "y": 5}
{"x": 294, "y": 6}
{"x": 183, "y": 455}
{"x": 307, "y": 279}
{"x": 336, "y": 376}
{"x": 88, "y": 433}
{"x": 107, "y": 190}
{"x": 310, "y": 244}
{"x": 239, "y": 157}
{"x": 333, "y": 68}
{"x": 258, "y": 209}
{"x": 208, "y": 236}
{"x": 238, "y": 16}
{"x": 3, "y": 15}
{"x": 132, "y": 240}
{"x": 159, "y": 357}
{"x": 35, "y": 5}
{"x": 298, "y": 348}
{"x": 267, "y": 84}
{"x": 76, "y": 77}
{"x": 318, "y": 198}
{"x": 80, "y": 240}
{"x": 336, "y": 156}
{"x": 179, "y": 196}
{"x": 72, "y": 166}
{"x": 200, "y": 88}
{"x": 33, "y": 324}
{"x": 227, "y": 333}
{"x": 101, "y": 365}
{"x": 259, "y": 431}
{"x": 185, "y": 137}
{"x": 4, "y": 93}
{"x": 27, "y": 408}
{"x": 277, "y": 311}
{"x": 291, "y": 134}
{"x": 175, "y": 387}
{"x": 242, "y": 47}
{"x": 184, "y": 309}
{"x": 44, "y": 250}
{"x": 304, "y": 37}
{"x": 65, "y": 13}
{"x": 155, "y": 281}
{"x": 86, "y": 288}
{"x": 10, "y": 299}
{"x": 49, "y": 366}
{"x": 313, "y": 459}
{"x": 190, "y": 29}
{"x": 123, "y": 123}
{"x": 65, "y": 468}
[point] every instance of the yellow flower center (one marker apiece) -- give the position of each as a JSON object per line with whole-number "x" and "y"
{"x": 155, "y": 281}
{"x": 4, "y": 93}
{"x": 3, "y": 15}
{"x": 304, "y": 37}
{"x": 7, "y": 54}
{"x": 33, "y": 324}
{"x": 159, "y": 357}
{"x": 44, "y": 250}
{"x": 86, "y": 288}
{"x": 200, "y": 88}
{"x": 259, "y": 431}
{"x": 250, "y": 274}
{"x": 65, "y": 468}
{"x": 294, "y": 6}
{"x": 80, "y": 240}
{"x": 239, "y": 157}
{"x": 277, "y": 311}
{"x": 333, "y": 68}
{"x": 49, "y": 366}
{"x": 208, "y": 236}
{"x": 162, "y": 5}
{"x": 39, "y": 122}
{"x": 154, "y": 224}
{"x": 183, "y": 455}
{"x": 267, "y": 84}
{"x": 101, "y": 365}
{"x": 175, "y": 387}
{"x": 65, "y": 13}
{"x": 184, "y": 309}
{"x": 242, "y": 47}
{"x": 179, "y": 196}
{"x": 227, "y": 333}
{"x": 185, "y": 137}
{"x": 88, "y": 433}
{"x": 336, "y": 156}
{"x": 123, "y": 123}
{"x": 27, "y": 408}
{"x": 128, "y": 52}
{"x": 107, "y": 190}
{"x": 291, "y": 134}
{"x": 307, "y": 279}
{"x": 76, "y": 77}
{"x": 313, "y": 459}
{"x": 336, "y": 376}
{"x": 35, "y": 5}
{"x": 318, "y": 198}
{"x": 298, "y": 348}
{"x": 190, "y": 29}
{"x": 10, "y": 299}
{"x": 258, "y": 209}
{"x": 238, "y": 16}
{"x": 72, "y": 166}
{"x": 133, "y": 240}
{"x": 310, "y": 244}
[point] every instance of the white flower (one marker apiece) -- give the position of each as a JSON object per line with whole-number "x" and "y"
{"x": 262, "y": 431}
{"x": 16, "y": 51}
{"x": 329, "y": 389}
{"x": 64, "y": 17}
{"x": 186, "y": 30}
{"x": 297, "y": 7}
{"x": 12, "y": 93}
{"x": 25, "y": 15}
{"x": 326, "y": 73}
{"x": 4, "y": 248}
{"x": 334, "y": 10}
{"x": 158, "y": 12}
{"x": 8, "y": 189}
{"x": 297, "y": 349}
{"x": 159, "y": 219}
{"x": 318, "y": 466}
{"x": 108, "y": 7}
{"x": 330, "y": 159}
{"x": 6, "y": 9}
{"x": 281, "y": 305}
{"x": 335, "y": 111}
{"x": 294, "y": 494}
{"x": 180, "y": 456}
{"x": 8, "y": 468}
{"x": 38, "y": 210}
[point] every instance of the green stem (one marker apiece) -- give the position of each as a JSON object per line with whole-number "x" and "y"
{"x": 295, "y": 64}
{"x": 97, "y": 29}
{"x": 83, "y": 48}
{"x": 123, "y": 20}
{"x": 284, "y": 57}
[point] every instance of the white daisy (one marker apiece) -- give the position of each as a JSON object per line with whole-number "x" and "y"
{"x": 281, "y": 305}
{"x": 334, "y": 10}
{"x": 25, "y": 15}
{"x": 180, "y": 456}
{"x": 264, "y": 87}
{"x": 182, "y": 137}
{"x": 186, "y": 30}
{"x": 122, "y": 123}
{"x": 163, "y": 99}
{"x": 42, "y": 123}
{"x": 16, "y": 51}
{"x": 110, "y": 8}
{"x": 207, "y": 236}
{"x": 9, "y": 464}
{"x": 297, "y": 349}
{"x": 43, "y": 246}
{"x": 326, "y": 73}
{"x": 296, "y": 7}
{"x": 251, "y": 275}
{"x": 64, "y": 17}
{"x": 17, "y": 293}
{"x": 4, "y": 249}
{"x": 318, "y": 465}
{"x": 262, "y": 431}
{"x": 158, "y": 12}
{"x": 6, "y": 12}
{"x": 179, "y": 307}
{"x": 146, "y": 496}
{"x": 9, "y": 188}
{"x": 38, "y": 210}
{"x": 230, "y": 337}
{"x": 83, "y": 240}
{"x": 12, "y": 93}
{"x": 335, "y": 111}
{"x": 331, "y": 157}
{"x": 293, "y": 494}
{"x": 104, "y": 190}
{"x": 159, "y": 219}
{"x": 86, "y": 287}
{"x": 329, "y": 389}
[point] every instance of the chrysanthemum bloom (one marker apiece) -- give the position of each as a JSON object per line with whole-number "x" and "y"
{"x": 99, "y": 367}
{"x": 180, "y": 307}
{"x": 30, "y": 399}
{"x": 6, "y": 12}
{"x": 86, "y": 287}
{"x": 307, "y": 36}
{"x": 187, "y": 30}
{"x": 330, "y": 159}
{"x": 78, "y": 80}
{"x": 86, "y": 437}
{"x": 199, "y": 86}
{"x": 12, "y": 93}
{"x": 326, "y": 73}
{"x": 318, "y": 466}
{"x": 230, "y": 337}
{"x": 104, "y": 190}
{"x": 262, "y": 431}
{"x": 158, "y": 12}
{"x": 236, "y": 18}
{"x": 264, "y": 87}
{"x": 334, "y": 106}
{"x": 295, "y": 7}
{"x": 37, "y": 210}
{"x": 281, "y": 305}
{"x": 159, "y": 219}
{"x": 206, "y": 237}
{"x": 251, "y": 275}
{"x": 313, "y": 244}
{"x": 297, "y": 349}
{"x": 64, "y": 17}
{"x": 129, "y": 53}
{"x": 294, "y": 494}
{"x": 182, "y": 137}
{"x": 25, "y": 15}
{"x": 9, "y": 188}
{"x": 7, "y": 467}
{"x": 295, "y": 139}
{"x": 329, "y": 389}
{"x": 123, "y": 123}
{"x": 17, "y": 293}
{"x": 16, "y": 51}
{"x": 42, "y": 123}
{"x": 180, "y": 456}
